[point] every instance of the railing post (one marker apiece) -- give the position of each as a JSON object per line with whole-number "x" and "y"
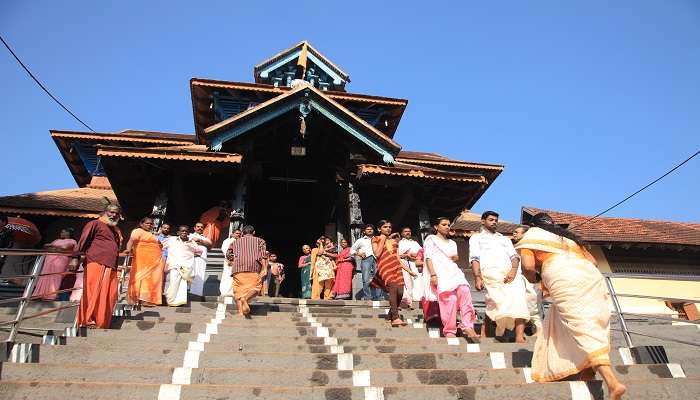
{"x": 618, "y": 309}
{"x": 28, "y": 289}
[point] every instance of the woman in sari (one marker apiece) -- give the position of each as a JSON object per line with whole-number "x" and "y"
{"x": 343, "y": 273}
{"x": 146, "y": 276}
{"x": 50, "y": 279}
{"x": 448, "y": 281}
{"x": 305, "y": 271}
{"x": 389, "y": 274}
{"x": 576, "y": 333}
{"x": 325, "y": 267}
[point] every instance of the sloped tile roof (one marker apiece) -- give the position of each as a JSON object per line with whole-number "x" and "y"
{"x": 468, "y": 222}
{"x": 83, "y": 202}
{"x": 627, "y": 230}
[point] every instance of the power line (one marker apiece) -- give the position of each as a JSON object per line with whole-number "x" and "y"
{"x": 42, "y": 86}
{"x": 638, "y": 191}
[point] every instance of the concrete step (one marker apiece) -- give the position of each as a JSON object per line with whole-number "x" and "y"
{"x": 167, "y": 356}
{"x": 671, "y": 389}
{"x": 298, "y": 377}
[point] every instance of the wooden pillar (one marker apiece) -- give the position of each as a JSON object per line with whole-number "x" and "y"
{"x": 423, "y": 223}
{"x": 160, "y": 208}
{"x": 355, "y": 214}
{"x": 238, "y": 205}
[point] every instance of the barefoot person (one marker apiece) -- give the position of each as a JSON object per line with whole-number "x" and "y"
{"x": 99, "y": 242}
{"x": 146, "y": 276}
{"x": 448, "y": 281}
{"x": 496, "y": 268}
{"x": 576, "y": 332}
{"x": 249, "y": 268}
{"x": 389, "y": 270}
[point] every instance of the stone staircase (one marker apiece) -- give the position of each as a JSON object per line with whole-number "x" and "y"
{"x": 295, "y": 349}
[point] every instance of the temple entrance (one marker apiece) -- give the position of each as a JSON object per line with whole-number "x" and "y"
{"x": 292, "y": 203}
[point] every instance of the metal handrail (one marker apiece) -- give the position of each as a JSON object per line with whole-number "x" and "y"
{"x": 618, "y": 309}
{"x": 671, "y": 299}
{"x": 27, "y": 295}
{"x": 689, "y": 278}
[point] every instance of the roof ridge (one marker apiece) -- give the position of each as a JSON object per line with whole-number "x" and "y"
{"x": 695, "y": 225}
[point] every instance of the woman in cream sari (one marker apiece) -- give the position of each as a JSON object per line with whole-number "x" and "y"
{"x": 576, "y": 332}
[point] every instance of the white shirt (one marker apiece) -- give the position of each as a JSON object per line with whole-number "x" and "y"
{"x": 362, "y": 245}
{"x": 180, "y": 254}
{"x": 440, "y": 254}
{"x": 491, "y": 250}
{"x": 203, "y": 249}
{"x": 226, "y": 244}
{"x": 409, "y": 246}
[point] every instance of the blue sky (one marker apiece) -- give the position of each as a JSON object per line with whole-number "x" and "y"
{"x": 583, "y": 101}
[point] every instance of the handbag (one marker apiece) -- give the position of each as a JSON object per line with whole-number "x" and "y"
{"x": 185, "y": 272}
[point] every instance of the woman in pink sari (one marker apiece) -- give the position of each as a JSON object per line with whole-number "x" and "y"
{"x": 50, "y": 280}
{"x": 343, "y": 274}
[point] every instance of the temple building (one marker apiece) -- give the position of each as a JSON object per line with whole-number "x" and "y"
{"x": 295, "y": 152}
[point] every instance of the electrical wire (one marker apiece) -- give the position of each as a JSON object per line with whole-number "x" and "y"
{"x": 42, "y": 86}
{"x": 637, "y": 192}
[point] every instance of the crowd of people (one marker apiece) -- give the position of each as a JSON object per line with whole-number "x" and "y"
{"x": 393, "y": 265}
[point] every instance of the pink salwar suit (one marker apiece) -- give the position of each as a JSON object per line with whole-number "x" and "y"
{"x": 453, "y": 291}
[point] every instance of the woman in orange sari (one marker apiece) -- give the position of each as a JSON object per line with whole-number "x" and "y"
{"x": 576, "y": 333}
{"x": 146, "y": 276}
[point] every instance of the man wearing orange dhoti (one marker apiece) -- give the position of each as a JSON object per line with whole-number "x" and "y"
{"x": 248, "y": 260}
{"x": 99, "y": 247}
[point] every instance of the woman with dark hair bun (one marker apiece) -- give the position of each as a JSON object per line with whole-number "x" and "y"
{"x": 576, "y": 332}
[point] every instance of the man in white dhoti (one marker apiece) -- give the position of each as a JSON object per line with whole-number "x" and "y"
{"x": 533, "y": 294}
{"x": 226, "y": 280}
{"x": 496, "y": 269}
{"x": 200, "y": 262}
{"x": 181, "y": 254}
{"x": 408, "y": 249}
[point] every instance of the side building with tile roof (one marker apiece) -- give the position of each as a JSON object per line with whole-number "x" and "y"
{"x": 641, "y": 248}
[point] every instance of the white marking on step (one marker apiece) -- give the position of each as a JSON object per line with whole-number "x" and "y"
{"x": 212, "y": 328}
{"x": 195, "y": 346}
{"x": 316, "y": 325}
{"x": 337, "y": 349}
{"x": 579, "y": 391}
{"x": 322, "y": 332}
{"x": 311, "y": 319}
{"x": 676, "y": 370}
{"x": 302, "y": 302}
{"x": 49, "y": 339}
{"x": 191, "y": 359}
{"x": 453, "y": 341}
{"x": 498, "y": 360}
{"x": 169, "y": 392}
{"x": 434, "y": 333}
{"x": 221, "y": 307}
{"x": 221, "y": 316}
{"x": 418, "y": 325}
{"x": 216, "y": 321}
{"x": 203, "y": 337}
{"x": 330, "y": 341}
{"x": 345, "y": 362}
{"x": 182, "y": 376}
{"x": 228, "y": 300}
{"x": 361, "y": 378}
{"x": 527, "y": 372}
{"x": 626, "y": 356}
{"x": 374, "y": 393}
{"x": 473, "y": 348}
{"x": 409, "y": 321}
{"x": 375, "y": 304}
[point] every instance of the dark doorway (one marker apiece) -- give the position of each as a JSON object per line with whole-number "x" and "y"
{"x": 289, "y": 204}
